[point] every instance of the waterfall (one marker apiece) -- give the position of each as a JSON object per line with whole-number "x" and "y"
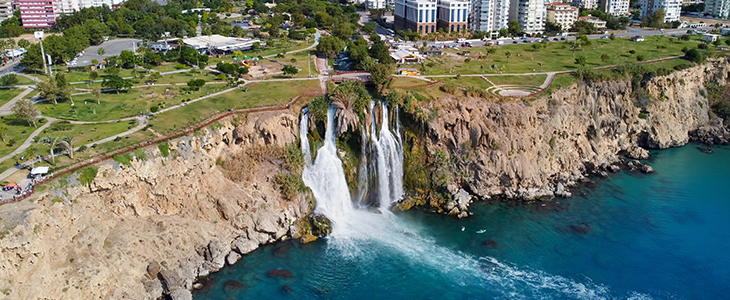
{"x": 326, "y": 178}
{"x": 389, "y": 156}
{"x": 304, "y": 140}
{"x": 362, "y": 171}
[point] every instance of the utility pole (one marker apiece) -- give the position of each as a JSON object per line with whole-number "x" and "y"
{"x": 309, "y": 68}
{"x": 39, "y": 36}
{"x": 50, "y": 69}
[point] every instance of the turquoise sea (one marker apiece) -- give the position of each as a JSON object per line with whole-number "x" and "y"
{"x": 630, "y": 236}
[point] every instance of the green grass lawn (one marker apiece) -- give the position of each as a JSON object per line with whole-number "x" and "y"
{"x": 259, "y": 94}
{"x": 466, "y": 82}
{"x": 17, "y": 132}
{"x": 8, "y": 94}
{"x": 557, "y": 56}
{"x": 300, "y": 62}
{"x": 82, "y": 134}
{"x": 531, "y": 80}
{"x": 184, "y": 77}
{"x": 114, "y": 106}
{"x": 401, "y": 82}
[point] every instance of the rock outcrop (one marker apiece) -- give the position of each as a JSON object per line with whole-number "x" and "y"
{"x": 153, "y": 227}
{"x": 539, "y": 148}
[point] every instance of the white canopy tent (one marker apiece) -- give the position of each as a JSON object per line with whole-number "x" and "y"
{"x": 39, "y": 171}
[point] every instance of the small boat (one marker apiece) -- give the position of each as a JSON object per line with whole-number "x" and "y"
{"x": 463, "y": 228}
{"x": 481, "y": 231}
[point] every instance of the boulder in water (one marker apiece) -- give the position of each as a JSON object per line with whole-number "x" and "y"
{"x": 580, "y": 228}
{"x": 490, "y": 243}
{"x": 705, "y": 150}
{"x": 232, "y": 258}
{"x": 232, "y": 285}
{"x": 321, "y": 226}
{"x": 647, "y": 169}
{"x": 281, "y": 273}
{"x": 286, "y": 288}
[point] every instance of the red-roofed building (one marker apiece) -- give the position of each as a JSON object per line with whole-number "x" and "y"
{"x": 598, "y": 23}
{"x": 562, "y": 13}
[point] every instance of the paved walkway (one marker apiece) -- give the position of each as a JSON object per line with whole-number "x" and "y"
{"x": 7, "y": 108}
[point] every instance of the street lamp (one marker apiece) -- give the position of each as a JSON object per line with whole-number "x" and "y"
{"x": 39, "y": 36}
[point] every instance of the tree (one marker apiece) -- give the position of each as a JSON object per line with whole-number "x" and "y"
{"x": 290, "y": 70}
{"x": 508, "y": 55}
{"x": 116, "y": 83}
{"x": 553, "y": 27}
{"x": 33, "y": 60}
{"x": 655, "y": 19}
{"x": 574, "y": 46}
{"x": 695, "y": 55}
{"x": 381, "y": 73}
{"x": 514, "y": 28}
{"x": 66, "y": 144}
{"x": 25, "y": 109}
{"x": 196, "y": 84}
{"x": 51, "y": 142}
{"x": 369, "y": 28}
{"x": 93, "y": 75}
{"x": 96, "y": 91}
{"x": 605, "y": 57}
{"x": 155, "y": 76}
{"x": 129, "y": 59}
{"x": 23, "y": 43}
{"x": 112, "y": 71}
{"x": 350, "y": 99}
{"x": 581, "y": 60}
{"x": 9, "y": 80}
{"x": 96, "y": 31}
{"x": 48, "y": 89}
{"x": 101, "y": 51}
{"x": 584, "y": 27}
{"x": 330, "y": 46}
{"x": 612, "y": 36}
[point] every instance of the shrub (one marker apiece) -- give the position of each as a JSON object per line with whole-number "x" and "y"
{"x": 643, "y": 116}
{"x": 449, "y": 87}
{"x": 632, "y": 51}
{"x": 290, "y": 184}
{"x": 703, "y": 46}
{"x": 640, "y": 57}
{"x": 124, "y": 159}
{"x": 82, "y": 149}
{"x": 164, "y": 149}
{"x": 695, "y": 56}
{"x": 154, "y": 109}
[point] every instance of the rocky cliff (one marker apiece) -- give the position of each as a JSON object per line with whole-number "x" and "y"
{"x": 539, "y": 148}
{"x": 150, "y": 228}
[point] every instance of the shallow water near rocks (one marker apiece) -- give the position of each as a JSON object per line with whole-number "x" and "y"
{"x": 632, "y": 236}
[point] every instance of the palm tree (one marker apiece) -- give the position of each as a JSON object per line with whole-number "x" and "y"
{"x": 508, "y": 54}
{"x": 349, "y": 98}
{"x": 51, "y": 142}
{"x": 574, "y": 46}
{"x": 101, "y": 51}
{"x": 66, "y": 144}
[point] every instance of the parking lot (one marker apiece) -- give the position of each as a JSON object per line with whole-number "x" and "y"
{"x": 111, "y": 48}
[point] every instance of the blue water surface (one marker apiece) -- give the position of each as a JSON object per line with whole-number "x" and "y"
{"x": 631, "y": 236}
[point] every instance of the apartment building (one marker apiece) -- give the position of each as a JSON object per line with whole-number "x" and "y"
{"x": 597, "y": 23}
{"x": 38, "y": 13}
{"x": 563, "y": 14}
{"x": 416, "y": 15}
{"x": 530, "y": 14}
{"x": 453, "y": 15}
{"x": 615, "y": 7}
{"x": 489, "y": 15}
{"x": 587, "y": 4}
{"x": 6, "y": 9}
{"x": 672, "y": 8}
{"x": 375, "y": 4}
{"x": 718, "y": 8}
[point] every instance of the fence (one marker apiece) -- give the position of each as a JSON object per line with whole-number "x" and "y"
{"x": 186, "y": 131}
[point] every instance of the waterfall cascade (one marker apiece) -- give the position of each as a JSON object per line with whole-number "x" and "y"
{"x": 388, "y": 151}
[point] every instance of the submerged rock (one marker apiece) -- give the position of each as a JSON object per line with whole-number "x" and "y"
{"x": 281, "y": 273}
{"x": 233, "y": 285}
{"x": 705, "y": 150}
{"x": 490, "y": 243}
{"x": 286, "y": 288}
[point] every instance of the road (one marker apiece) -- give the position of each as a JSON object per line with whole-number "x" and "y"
{"x": 111, "y": 48}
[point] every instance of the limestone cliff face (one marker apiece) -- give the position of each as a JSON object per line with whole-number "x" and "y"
{"x": 152, "y": 227}
{"x": 527, "y": 150}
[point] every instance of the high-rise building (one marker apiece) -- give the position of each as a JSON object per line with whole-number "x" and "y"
{"x": 530, "y": 14}
{"x": 615, "y": 7}
{"x": 718, "y": 8}
{"x": 489, "y": 15}
{"x": 563, "y": 14}
{"x": 672, "y": 8}
{"x": 587, "y": 4}
{"x": 38, "y": 13}
{"x": 68, "y": 6}
{"x": 453, "y": 15}
{"x": 370, "y": 4}
{"x": 416, "y": 15}
{"x": 6, "y": 9}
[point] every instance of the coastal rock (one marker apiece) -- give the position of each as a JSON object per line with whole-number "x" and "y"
{"x": 712, "y": 134}
{"x": 286, "y": 288}
{"x": 232, "y": 258}
{"x": 635, "y": 152}
{"x": 244, "y": 245}
{"x": 614, "y": 168}
{"x": 647, "y": 169}
{"x": 181, "y": 294}
{"x": 561, "y": 191}
{"x": 153, "y": 269}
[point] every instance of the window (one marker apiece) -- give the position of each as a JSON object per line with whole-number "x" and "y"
{"x": 452, "y": 15}
{"x": 432, "y": 28}
{"x": 420, "y": 28}
{"x": 420, "y": 16}
{"x": 452, "y": 27}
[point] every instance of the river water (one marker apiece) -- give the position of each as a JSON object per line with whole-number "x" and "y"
{"x": 630, "y": 236}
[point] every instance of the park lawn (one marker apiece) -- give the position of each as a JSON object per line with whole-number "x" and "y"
{"x": 403, "y": 82}
{"x": 82, "y": 134}
{"x": 300, "y": 63}
{"x": 184, "y": 77}
{"x": 466, "y": 81}
{"x": 22, "y": 80}
{"x": 125, "y": 104}
{"x": 8, "y": 94}
{"x": 167, "y": 67}
{"x": 18, "y": 131}
{"x": 557, "y": 56}
{"x": 274, "y": 93}
{"x": 524, "y": 80}
{"x": 428, "y": 93}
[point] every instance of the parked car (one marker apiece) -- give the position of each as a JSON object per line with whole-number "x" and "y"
{"x": 555, "y": 39}
{"x": 562, "y": 38}
{"x": 514, "y": 42}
